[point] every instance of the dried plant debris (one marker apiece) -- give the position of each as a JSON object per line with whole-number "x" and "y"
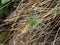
{"x": 34, "y": 22}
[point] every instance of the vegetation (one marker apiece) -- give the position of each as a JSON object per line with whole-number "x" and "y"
{"x": 29, "y": 22}
{"x": 6, "y": 7}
